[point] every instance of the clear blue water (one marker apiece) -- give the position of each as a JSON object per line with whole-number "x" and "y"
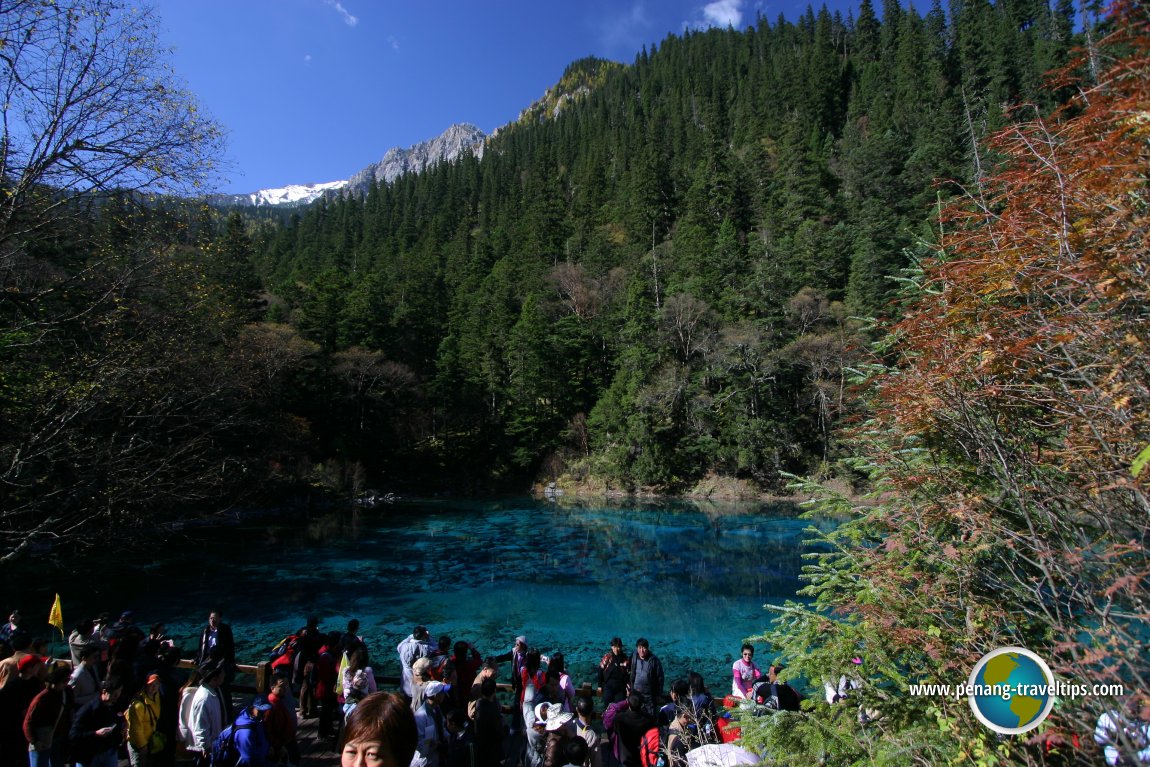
{"x": 690, "y": 577}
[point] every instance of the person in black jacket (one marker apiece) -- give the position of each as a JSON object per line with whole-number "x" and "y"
{"x": 614, "y": 673}
{"x": 98, "y": 729}
{"x": 630, "y": 726}
{"x": 218, "y": 646}
{"x": 647, "y": 676}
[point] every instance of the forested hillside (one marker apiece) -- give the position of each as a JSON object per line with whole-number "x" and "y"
{"x": 659, "y": 280}
{"x": 652, "y": 277}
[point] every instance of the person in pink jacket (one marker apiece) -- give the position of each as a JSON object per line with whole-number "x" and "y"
{"x": 745, "y": 672}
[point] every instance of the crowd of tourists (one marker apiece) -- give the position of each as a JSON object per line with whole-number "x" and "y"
{"x": 122, "y": 694}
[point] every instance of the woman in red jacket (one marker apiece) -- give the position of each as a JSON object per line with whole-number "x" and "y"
{"x": 48, "y": 719}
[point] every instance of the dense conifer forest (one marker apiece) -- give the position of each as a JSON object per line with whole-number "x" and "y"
{"x": 666, "y": 278}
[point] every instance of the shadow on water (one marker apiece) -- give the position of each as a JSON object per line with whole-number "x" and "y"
{"x": 692, "y": 577}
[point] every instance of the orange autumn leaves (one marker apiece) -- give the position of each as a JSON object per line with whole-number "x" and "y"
{"x": 1019, "y": 395}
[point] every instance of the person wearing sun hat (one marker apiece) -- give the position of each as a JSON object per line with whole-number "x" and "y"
{"x": 429, "y": 723}
{"x": 143, "y": 714}
{"x": 560, "y": 728}
{"x": 534, "y": 718}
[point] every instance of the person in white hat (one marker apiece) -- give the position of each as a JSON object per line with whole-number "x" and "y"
{"x": 560, "y": 728}
{"x": 429, "y": 723}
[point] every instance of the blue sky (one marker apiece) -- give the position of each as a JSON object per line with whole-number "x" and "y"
{"x": 314, "y": 90}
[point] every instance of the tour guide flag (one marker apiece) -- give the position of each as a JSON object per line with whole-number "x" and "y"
{"x": 56, "y": 617}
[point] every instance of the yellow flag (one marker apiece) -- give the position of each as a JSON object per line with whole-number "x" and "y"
{"x": 343, "y": 664}
{"x": 56, "y": 617}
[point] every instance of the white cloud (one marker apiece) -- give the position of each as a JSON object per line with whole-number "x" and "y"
{"x": 393, "y": 42}
{"x": 723, "y": 13}
{"x": 348, "y": 19}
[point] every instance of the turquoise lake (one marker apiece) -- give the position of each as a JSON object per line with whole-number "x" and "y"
{"x": 691, "y": 577}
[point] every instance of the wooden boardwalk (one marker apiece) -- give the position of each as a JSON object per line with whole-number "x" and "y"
{"x": 313, "y": 751}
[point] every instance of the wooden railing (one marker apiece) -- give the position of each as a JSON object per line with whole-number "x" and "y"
{"x": 261, "y": 674}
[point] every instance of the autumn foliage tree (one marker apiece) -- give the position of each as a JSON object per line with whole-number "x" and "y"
{"x": 117, "y": 393}
{"x": 1010, "y": 409}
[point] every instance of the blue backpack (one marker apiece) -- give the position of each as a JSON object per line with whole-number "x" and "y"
{"x": 225, "y": 753}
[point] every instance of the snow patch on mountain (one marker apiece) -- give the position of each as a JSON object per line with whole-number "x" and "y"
{"x": 294, "y": 194}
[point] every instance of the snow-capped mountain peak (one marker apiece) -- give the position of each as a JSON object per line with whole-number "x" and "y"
{"x": 294, "y": 194}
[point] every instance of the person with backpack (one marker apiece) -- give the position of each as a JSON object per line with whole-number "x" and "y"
{"x": 432, "y": 730}
{"x": 441, "y": 667}
{"x": 631, "y": 725}
{"x": 282, "y": 656}
{"x": 143, "y": 717}
{"x": 48, "y": 719}
{"x": 358, "y": 679}
{"x": 252, "y": 747}
{"x": 772, "y": 693}
{"x": 328, "y": 686}
{"x": 172, "y": 679}
{"x": 532, "y": 679}
{"x": 280, "y": 722}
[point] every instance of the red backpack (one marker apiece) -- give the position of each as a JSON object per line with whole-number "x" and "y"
{"x": 653, "y": 747}
{"x": 438, "y": 667}
{"x": 283, "y": 653}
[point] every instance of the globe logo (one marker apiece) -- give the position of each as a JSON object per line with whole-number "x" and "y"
{"x": 1011, "y": 690}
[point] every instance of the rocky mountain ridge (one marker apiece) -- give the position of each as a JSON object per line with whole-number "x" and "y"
{"x": 447, "y": 146}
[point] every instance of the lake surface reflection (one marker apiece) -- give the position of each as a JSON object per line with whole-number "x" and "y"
{"x": 691, "y": 577}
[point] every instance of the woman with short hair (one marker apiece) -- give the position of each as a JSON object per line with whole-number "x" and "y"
{"x": 380, "y": 732}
